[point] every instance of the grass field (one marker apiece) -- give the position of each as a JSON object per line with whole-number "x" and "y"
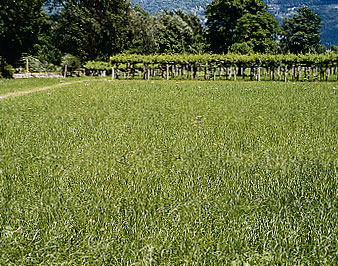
{"x": 10, "y": 85}
{"x": 170, "y": 173}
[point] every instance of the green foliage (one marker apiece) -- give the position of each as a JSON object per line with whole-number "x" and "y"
{"x": 334, "y": 49}
{"x": 72, "y": 62}
{"x": 290, "y": 67}
{"x": 6, "y": 70}
{"x": 242, "y": 48}
{"x": 142, "y": 32}
{"x": 326, "y": 9}
{"x": 36, "y": 65}
{"x": 178, "y": 33}
{"x": 46, "y": 48}
{"x": 167, "y": 32}
{"x": 235, "y": 59}
{"x": 93, "y": 29}
{"x": 97, "y": 65}
{"x": 230, "y": 22}
{"x": 300, "y": 34}
{"x": 20, "y": 24}
{"x": 170, "y": 173}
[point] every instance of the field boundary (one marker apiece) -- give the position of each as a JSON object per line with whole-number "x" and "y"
{"x": 21, "y": 93}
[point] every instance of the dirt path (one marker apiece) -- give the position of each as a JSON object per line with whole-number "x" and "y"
{"x": 21, "y": 93}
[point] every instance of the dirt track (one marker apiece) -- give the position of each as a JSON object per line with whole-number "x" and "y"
{"x": 20, "y": 93}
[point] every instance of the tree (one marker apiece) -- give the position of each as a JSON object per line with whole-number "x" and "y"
{"x": 45, "y": 49}
{"x": 232, "y": 22}
{"x": 258, "y": 31}
{"x": 142, "y": 32}
{"x": 93, "y": 29}
{"x": 71, "y": 62}
{"x": 334, "y": 48}
{"x": 300, "y": 34}
{"x": 178, "y": 33}
{"x": 6, "y": 70}
{"x": 20, "y": 24}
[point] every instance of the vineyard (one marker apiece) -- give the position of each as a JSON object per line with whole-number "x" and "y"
{"x": 258, "y": 67}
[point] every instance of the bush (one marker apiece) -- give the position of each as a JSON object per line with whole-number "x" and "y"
{"x": 97, "y": 65}
{"x": 334, "y": 48}
{"x": 6, "y": 70}
{"x": 37, "y": 65}
{"x": 72, "y": 62}
{"x": 242, "y": 48}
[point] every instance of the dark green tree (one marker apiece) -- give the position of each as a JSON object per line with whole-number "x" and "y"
{"x": 20, "y": 25}
{"x": 334, "y": 48}
{"x": 178, "y": 33}
{"x": 45, "y": 48}
{"x": 233, "y": 22}
{"x": 197, "y": 43}
{"x": 93, "y": 29}
{"x": 142, "y": 32}
{"x": 300, "y": 34}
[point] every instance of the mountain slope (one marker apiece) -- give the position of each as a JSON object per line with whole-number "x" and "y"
{"x": 326, "y": 9}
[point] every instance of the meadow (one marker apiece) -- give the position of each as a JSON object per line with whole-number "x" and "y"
{"x": 18, "y": 85}
{"x": 170, "y": 173}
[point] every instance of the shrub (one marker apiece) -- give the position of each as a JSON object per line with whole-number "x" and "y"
{"x": 6, "y": 70}
{"x": 37, "y": 65}
{"x": 72, "y": 62}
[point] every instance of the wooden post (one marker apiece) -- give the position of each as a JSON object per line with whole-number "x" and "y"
{"x": 293, "y": 72}
{"x": 167, "y": 71}
{"x": 272, "y": 73}
{"x": 259, "y": 74}
{"x": 128, "y": 70}
{"x": 314, "y": 73}
{"x": 133, "y": 71}
{"x": 27, "y": 67}
{"x": 192, "y": 71}
{"x": 112, "y": 73}
{"x": 299, "y": 72}
{"x": 279, "y": 73}
{"x": 65, "y": 74}
{"x": 286, "y": 73}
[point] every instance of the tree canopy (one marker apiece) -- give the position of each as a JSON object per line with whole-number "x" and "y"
{"x": 96, "y": 29}
{"x": 300, "y": 34}
{"x": 233, "y": 22}
{"x": 178, "y": 33}
{"x": 20, "y": 24}
{"x": 93, "y": 29}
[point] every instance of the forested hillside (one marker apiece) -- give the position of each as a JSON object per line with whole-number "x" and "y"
{"x": 326, "y": 9}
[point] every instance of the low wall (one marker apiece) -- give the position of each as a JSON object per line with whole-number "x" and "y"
{"x": 38, "y": 75}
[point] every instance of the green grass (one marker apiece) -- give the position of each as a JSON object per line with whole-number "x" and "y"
{"x": 170, "y": 173}
{"x": 9, "y": 85}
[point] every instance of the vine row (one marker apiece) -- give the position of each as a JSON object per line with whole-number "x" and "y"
{"x": 258, "y": 67}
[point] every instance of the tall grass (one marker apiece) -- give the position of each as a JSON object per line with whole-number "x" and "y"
{"x": 162, "y": 173}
